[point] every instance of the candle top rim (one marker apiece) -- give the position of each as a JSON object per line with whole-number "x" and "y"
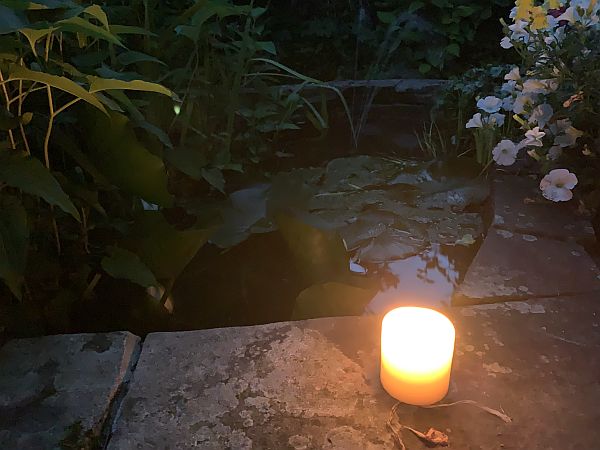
{"x": 431, "y": 317}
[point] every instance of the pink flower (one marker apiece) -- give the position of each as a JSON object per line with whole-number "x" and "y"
{"x": 557, "y": 185}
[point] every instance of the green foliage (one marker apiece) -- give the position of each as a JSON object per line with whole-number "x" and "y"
{"x": 432, "y": 39}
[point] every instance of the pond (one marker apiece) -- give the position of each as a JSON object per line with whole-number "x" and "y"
{"x": 356, "y": 235}
{"x": 332, "y": 230}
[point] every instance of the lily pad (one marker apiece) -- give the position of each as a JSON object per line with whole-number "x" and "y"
{"x": 347, "y": 174}
{"x": 331, "y": 299}
{"x": 241, "y": 217}
{"x": 457, "y": 199}
{"x": 391, "y": 245}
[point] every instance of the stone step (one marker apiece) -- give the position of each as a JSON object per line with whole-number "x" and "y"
{"x": 315, "y": 384}
{"x": 519, "y": 207}
{"x": 514, "y": 266}
{"x": 57, "y": 389}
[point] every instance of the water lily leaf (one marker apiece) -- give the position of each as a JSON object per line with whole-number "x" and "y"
{"x": 457, "y": 199}
{"x": 359, "y": 172}
{"x": 466, "y": 241}
{"x": 366, "y": 226}
{"x": 247, "y": 208}
{"x": 119, "y": 156}
{"x": 391, "y": 245}
{"x": 331, "y": 299}
{"x": 163, "y": 248}
{"x": 127, "y": 265}
{"x": 319, "y": 254}
{"x": 30, "y": 175}
{"x": 14, "y": 241}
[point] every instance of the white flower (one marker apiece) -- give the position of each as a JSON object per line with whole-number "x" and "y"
{"x": 505, "y": 153}
{"x": 570, "y": 15}
{"x": 557, "y": 185}
{"x": 508, "y": 104}
{"x": 560, "y": 126}
{"x": 489, "y": 104}
{"x": 541, "y": 115}
{"x": 519, "y": 33}
{"x": 505, "y": 43}
{"x": 534, "y": 137}
{"x": 551, "y": 84}
{"x": 509, "y": 87}
{"x": 522, "y": 102}
{"x": 533, "y": 86}
{"x": 554, "y": 153}
{"x": 475, "y": 121}
{"x": 496, "y": 119}
{"x": 569, "y": 138}
{"x": 513, "y": 75}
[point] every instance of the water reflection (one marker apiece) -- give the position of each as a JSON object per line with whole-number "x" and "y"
{"x": 427, "y": 279}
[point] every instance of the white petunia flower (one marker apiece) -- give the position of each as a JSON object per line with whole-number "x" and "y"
{"x": 505, "y": 153}
{"x": 534, "y": 137}
{"x": 569, "y": 138}
{"x": 519, "y": 33}
{"x": 541, "y": 115}
{"x": 513, "y": 75}
{"x": 522, "y": 102}
{"x": 554, "y": 153}
{"x": 557, "y": 185}
{"x": 496, "y": 119}
{"x": 475, "y": 121}
{"x": 508, "y": 104}
{"x": 570, "y": 15}
{"x": 551, "y": 84}
{"x": 509, "y": 87}
{"x": 505, "y": 43}
{"x": 489, "y": 104}
{"x": 533, "y": 86}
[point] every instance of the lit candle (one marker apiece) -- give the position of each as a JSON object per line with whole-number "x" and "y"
{"x": 417, "y": 345}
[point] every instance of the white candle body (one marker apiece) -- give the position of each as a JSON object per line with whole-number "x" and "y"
{"x": 417, "y": 346}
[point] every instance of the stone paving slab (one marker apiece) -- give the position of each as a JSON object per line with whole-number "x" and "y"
{"x": 49, "y": 384}
{"x": 314, "y": 384}
{"x": 512, "y": 266}
{"x": 519, "y": 207}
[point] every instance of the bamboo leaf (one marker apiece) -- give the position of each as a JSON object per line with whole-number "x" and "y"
{"x": 97, "y": 12}
{"x": 127, "y": 265}
{"x": 105, "y": 84}
{"x": 17, "y": 72}
{"x": 79, "y": 25}
{"x": 126, "y": 29}
{"x": 33, "y": 36}
{"x": 30, "y": 175}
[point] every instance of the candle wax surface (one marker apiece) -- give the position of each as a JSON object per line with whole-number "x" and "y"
{"x": 417, "y": 346}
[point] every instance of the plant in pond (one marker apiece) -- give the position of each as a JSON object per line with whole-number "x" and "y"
{"x": 552, "y": 95}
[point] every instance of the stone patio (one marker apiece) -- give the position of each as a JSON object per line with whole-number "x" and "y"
{"x": 58, "y": 388}
{"x": 314, "y": 385}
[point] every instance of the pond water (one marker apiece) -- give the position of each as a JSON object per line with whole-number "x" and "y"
{"x": 356, "y": 235}
{"x": 332, "y": 231}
